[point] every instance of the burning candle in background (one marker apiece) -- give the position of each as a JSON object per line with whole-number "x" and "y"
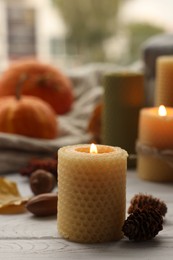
{"x": 155, "y": 144}
{"x": 164, "y": 81}
{"x": 91, "y": 192}
{"x": 123, "y": 98}
{"x": 156, "y": 127}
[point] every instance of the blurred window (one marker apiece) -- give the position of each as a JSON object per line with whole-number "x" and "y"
{"x": 21, "y": 31}
{"x": 57, "y": 46}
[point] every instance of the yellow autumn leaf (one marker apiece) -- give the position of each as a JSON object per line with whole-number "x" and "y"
{"x": 11, "y": 201}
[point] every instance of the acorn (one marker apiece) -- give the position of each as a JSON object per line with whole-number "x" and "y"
{"x": 43, "y": 205}
{"x": 42, "y": 181}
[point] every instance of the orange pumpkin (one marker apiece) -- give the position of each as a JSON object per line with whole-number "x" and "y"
{"x": 95, "y": 122}
{"x": 42, "y": 80}
{"x": 28, "y": 116}
{"x": 94, "y": 125}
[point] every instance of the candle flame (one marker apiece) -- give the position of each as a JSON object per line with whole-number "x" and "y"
{"x": 162, "y": 111}
{"x": 93, "y": 148}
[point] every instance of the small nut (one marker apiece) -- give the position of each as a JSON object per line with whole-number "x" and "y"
{"x": 43, "y": 205}
{"x": 42, "y": 181}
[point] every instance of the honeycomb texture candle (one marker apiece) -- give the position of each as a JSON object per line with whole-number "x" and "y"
{"x": 164, "y": 79}
{"x": 91, "y": 193}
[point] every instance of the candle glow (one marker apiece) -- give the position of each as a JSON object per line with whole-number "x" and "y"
{"x": 156, "y": 127}
{"x": 162, "y": 111}
{"x": 93, "y": 148}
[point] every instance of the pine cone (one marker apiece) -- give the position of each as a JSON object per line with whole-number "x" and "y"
{"x": 143, "y": 224}
{"x": 140, "y": 201}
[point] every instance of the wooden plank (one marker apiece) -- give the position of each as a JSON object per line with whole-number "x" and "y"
{"x": 61, "y": 249}
{"x": 26, "y": 237}
{"x": 26, "y": 225}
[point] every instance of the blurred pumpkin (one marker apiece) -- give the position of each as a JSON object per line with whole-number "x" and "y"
{"x": 95, "y": 122}
{"x": 28, "y": 116}
{"x": 43, "y": 81}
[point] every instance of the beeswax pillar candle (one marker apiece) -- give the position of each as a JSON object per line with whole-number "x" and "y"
{"x": 155, "y": 144}
{"x": 91, "y": 193}
{"x": 123, "y": 98}
{"x": 164, "y": 81}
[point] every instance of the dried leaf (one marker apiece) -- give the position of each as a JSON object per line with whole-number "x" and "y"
{"x": 11, "y": 201}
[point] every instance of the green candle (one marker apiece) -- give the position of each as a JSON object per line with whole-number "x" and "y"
{"x": 123, "y": 98}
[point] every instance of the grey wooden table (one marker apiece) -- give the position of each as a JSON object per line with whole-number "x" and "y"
{"x": 26, "y": 237}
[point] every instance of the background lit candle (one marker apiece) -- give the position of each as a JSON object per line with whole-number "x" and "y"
{"x": 156, "y": 127}
{"x": 91, "y": 193}
{"x": 155, "y": 143}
